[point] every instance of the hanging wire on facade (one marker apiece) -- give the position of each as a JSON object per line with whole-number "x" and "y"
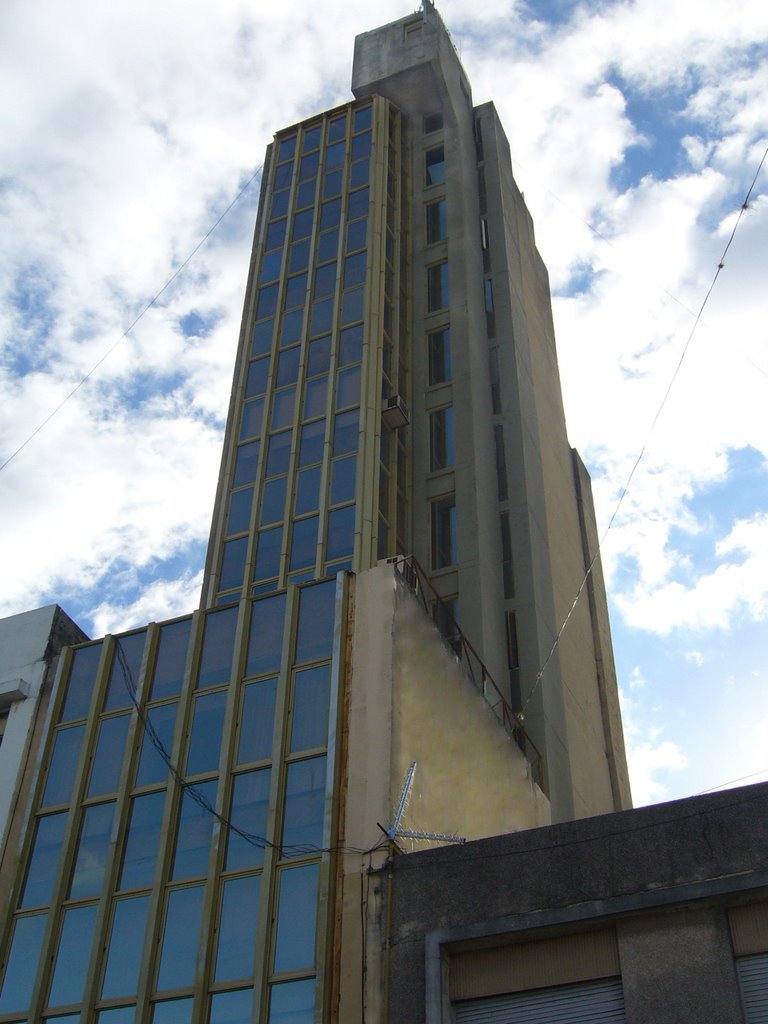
{"x": 720, "y": 266}
{"x": 145, "y": 309}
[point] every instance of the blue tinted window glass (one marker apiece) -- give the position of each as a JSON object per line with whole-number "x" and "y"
{"x": 273, "y": 500}
{"x": 361, "y": 145}
{"x": 232, "y": 1007}
{"x": 307, "y": 490}
{"x": 322, "y": 316}
{"x": 283, "y": 176}
{"x": 357, "y": 204}
{"x": 334, "y": 155}
{"x": 312, "y": 442}
{"x": 72, "y": 958}
{"x": 304, "y": 807}
{"x": 331, "y": 184}
{"x": 299, "y": 256}
{"x": 296, "y": 919}
{"x": 61, "y": 772}
{"x": 218, "y": 642}
{"x": 341, "y": 537}
{"x": 311, "y": 694}
{"x": 343, "y": 480}
{"x": 153, "y": 767}
{"x": 126, "y": 946}
{"x": 359, "y": 174}
{"x": 328, "y": 245}
{"x": 308, "y": 166}
{"x": 92, "y": 850}
{"x": 205, "y": 740}
{"x": 290, "y": 329}
{"x": 302, "y": 225}
{"x": 24, "y": 952}
{"x": 173, "y": 1011}
{"x": 258, "y": 374}
{"x": 435, "y": 165}
{"x": 237, "y": 929}
{"x": 126, "y": 666}
{"x": 278, "y": 208}
{"x": 288, "y": 366}
{"x": 117, "y": 1015}
{"x": 348, "y": 387}
{"x": 279, "y": 453}
{"x": 232, "y": 563}
{"x": 305, "y": 194}
{"x": 315, "y": 392}
{"x": 267, "y": 301}
{"x": 108, "y": 759}
{"x": 81, "y": 679}
{"x": 330, "y": 214}
{"x": 270, "y": 266}
{"x": 356, "y": 233}
{"x": 179, "y": 955}
{"x": 295, "y": 291}
{"x": 311, "y": 138}
{"x": 44, "y": 860}
{"x": 240, "y": 504}
{"x": 261, "y": 339}
{"x": 437, "y": 286}
{"x": 268, "y": 551}
{"x": 257, "y": 721}
{"x": 345, "y": 432}
{"x": 304, "y": 543}
{"x": 286, "y": 149}
{"x": 354, "y": 269}
{"x": 246, "y": 463}
{"x": 252, "y": 415}
{"x": 193, "y": 839}
{"x": 362, "y": 119}
{"x": 319, "y": 356}
{"x": 352, "y": 305}
{"x": 351, "y": 345}
{"x": 282, "y": 408}
{"x": 248, "y": 814}
{"x": 266, "y": 640}
{"x": 275, "y": 235}
{"x": 316, "y": 613}
{"x": 325, "y": 280}
{"x": 293, "y": 1002}
{"x": 143, "y": 837}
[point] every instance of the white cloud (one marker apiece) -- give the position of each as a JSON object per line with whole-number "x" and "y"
{"x": 650, "y": 757}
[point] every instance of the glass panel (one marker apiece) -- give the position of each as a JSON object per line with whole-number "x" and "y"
{"x": 279, "y": 453}
{"x": 317, "y": 606}
{"x": 124, "y": 677}
{"x": 290, "y": 328}
{"x": 362, "y": 119}
{"x": 308, "y": 166}
{"x": 334, "y": 155}
{"x": 179, "y": 955}
{"x": 436, "y": 221}
{"x": 307, "y": 490}
{"x": 351, "y": 345}
{"x": 261, "y": 340}
{"x": 44, "y": 860}
{"x": 311, "y": 693}
{"x": 248, "y": 814}
{"x": 24, "y": 952}
{"x": 348, "y": 387}
{"x": 283, "y": 177}
{"x": 246, "y": 463}
{"x": 205, "y": 740}
{"x": 218, "y": 642}
{"x": 330, "y": 214}
{"x": 253, "y": 413}
{"x": 273, "y": 261}
{"x": 354, "y": 269}
{"x": 325, "y": 280}
{"x": 340, "y": 541}
{"x": 361, "y": 146}
{"x": 441, "y": 438}
{"x": 88, "y": 874}
{"x": 275, "y": 234}
{"x": 439, "y": 356}
{"x": 331, "y": 184}
{"x": 293, "y": 1002}
{"x": 444, "y": 532}
{"x": 352, "y": 305}
{"x": 314, "y": 398}
{"x": 142, "y": 841}
{"x": 299, "y": 257}
{"x": 267, "y": 301}
{"x": 357, "y": 204}
{"x": 81, "y": 680}
{"x": 296, "y": 919}
{"x": 258, "y": 374}
{"x": 273, "y": 500}
{"x": 233, "y": 563}
{"x": 304, "y": 807}
{"x": 343, "y": 480}
{"x": 61, "y": 771}
{"x": 356, "y": 234}
{"x": 156, "y": 745}
{"x": 282, "y": 408}
{"x": 257, "y": 721}
{"x": 322, "y": 309}
{"x": 437, "y": 286}
{"x": 117, "y": 1015}
{"x": 171, "y": 659}
{"x": 435, "y": 165}
{"x": 337, "y": 129}
{"x": 193, "y": 840}
{"x": 305, "y": 194}
{"x": 295, "y": 291}
{"x": 268, "y": 552}
{"x": 237, "y": 928}
{"x": 287, "y": 149}
{"x": 72, "y": 958}
{"x": 360, "y": 173}
{"x": 302, "y": 225}
{"x": 345, "y": 432}
{"x": 266, "y": 640}
{"x": 173, "y": 1011}
{"x": 126, "y": 946}
{"x": 312, "y": 443}
{"x": 232, "y": 1007}
{"x": 304, "y": 543}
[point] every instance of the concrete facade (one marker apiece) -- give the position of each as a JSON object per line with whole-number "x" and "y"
{"x": 669, "y": 883}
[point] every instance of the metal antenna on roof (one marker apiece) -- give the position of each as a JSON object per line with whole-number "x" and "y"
{"x": 395, "y": 832}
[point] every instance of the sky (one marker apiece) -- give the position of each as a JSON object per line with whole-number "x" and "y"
{"x": 636, "y": 130}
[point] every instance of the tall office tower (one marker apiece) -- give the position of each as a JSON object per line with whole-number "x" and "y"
{"x": 203, "y": 834}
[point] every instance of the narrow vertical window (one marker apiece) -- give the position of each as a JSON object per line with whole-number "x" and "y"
{"x": 513, "y": 660}
{"x": 493, "y": 366}
{"x": 501, "y": 462}
{"x": 435, "y": 165}
{"x": 490, "y": 315}
{"x": 436, "y": 221}
{"x": 443, "y": 531}
{"x": 439, "y": 345}
{"x": 437, "y": 286}
{"x": 506, "y": 556}
{"x": 441, "y": 438}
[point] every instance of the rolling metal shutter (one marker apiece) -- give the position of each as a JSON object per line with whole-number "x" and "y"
{"x": 753, "y": 981}
{"x": 591, "y": 1002}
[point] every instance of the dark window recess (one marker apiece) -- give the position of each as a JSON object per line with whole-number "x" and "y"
{"x": 513, "y": 661}
{"x": 479, "y": 140}
{"x": 436, "y": 222}
{"x": 490, "y": 315}
{"x": 493, "y": 365}
{"x": 435, "y": 165}
{"x": 437, "y": 287}
{"x": 439, "y": 344}
{"x": 506, "y": 555}
{"x": 501, "y": 462}
{"x": 433, "y": 123}
{"x": 443, "y": 530}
